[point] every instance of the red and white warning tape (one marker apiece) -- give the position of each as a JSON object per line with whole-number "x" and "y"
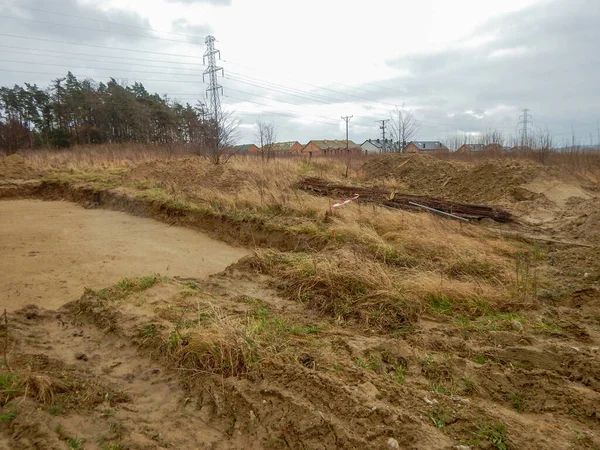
{"x": 335, "y": 205}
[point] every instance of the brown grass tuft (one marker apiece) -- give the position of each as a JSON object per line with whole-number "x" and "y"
{"x": 40, "y": 387}
{"x": 341, "y": 284}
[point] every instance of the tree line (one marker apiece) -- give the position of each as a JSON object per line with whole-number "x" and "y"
{"x": 70, "y": 112}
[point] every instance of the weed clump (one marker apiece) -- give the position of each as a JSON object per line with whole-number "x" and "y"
{"x": 340, "y": 284}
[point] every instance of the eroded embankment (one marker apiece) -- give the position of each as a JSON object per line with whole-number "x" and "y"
{"x": 52, "y": 250}
{"x": 242, "y": 230}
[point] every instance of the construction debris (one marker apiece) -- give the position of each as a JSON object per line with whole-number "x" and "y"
{"x": 392, "y": 199}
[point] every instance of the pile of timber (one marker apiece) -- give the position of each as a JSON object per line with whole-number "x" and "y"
{"x": 391, "y": 199}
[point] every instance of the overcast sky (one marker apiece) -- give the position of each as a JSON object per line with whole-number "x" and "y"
{"x": 459, "y": 66}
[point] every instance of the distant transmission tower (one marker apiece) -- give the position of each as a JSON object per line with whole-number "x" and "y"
{"x": 212, "y": 91}
{"x": 525, "y": 121}
{"x": 382, "y": 128}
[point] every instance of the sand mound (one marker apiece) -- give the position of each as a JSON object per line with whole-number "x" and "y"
{"x": 494, "y": 181}
{"x": 14, "y": 167}
{"x": 422, "y": 173}
{"x": 581, "y": 220}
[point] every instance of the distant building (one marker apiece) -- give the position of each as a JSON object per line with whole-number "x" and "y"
{"x": 425, "y": 146}
{"x": 330, "y": 147}
{"x": 287, "y": 148}
{"x": 246, "y": 148}
{"x": 522, "y": 149}
{"x": 376, "y": 146}
{"x": 475, "y": 148}
{"x": 471, "y": 148}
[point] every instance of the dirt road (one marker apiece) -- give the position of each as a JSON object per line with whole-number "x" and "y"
{"x": 49, "y": 251}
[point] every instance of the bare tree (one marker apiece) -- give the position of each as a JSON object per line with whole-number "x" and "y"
{"x": 222, "y": 135}
{"x": 266, "y": 136}
{"x": 404, "y": 128}
{"x": 544, "y": 145}
{"x": 493, "y": 140}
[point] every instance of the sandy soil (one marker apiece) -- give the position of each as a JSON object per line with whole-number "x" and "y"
{"x": 50, "y": 251}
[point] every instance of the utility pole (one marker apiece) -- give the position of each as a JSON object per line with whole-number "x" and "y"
{"x": 212, "y": 91}
{"x": 598, "y": 129}
{"x": 400, "y": 132}
{"x": 382, "y": 128}
{"x": 525, "y": 120}
{"x": 347, "y": 119}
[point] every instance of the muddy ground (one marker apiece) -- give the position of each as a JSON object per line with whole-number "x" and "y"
{"x": 226, "y": 361}
{"x": 441, "y": 385}
{"x": 51, "y": 251}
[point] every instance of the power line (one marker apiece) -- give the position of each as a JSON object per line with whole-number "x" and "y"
{"x": 104, "y": 76}
{"x": 44, "y": 53}
{"x": 293, "y": 115}
{"x": 97, "y": 46}
{"x": 98, "y": 68}
{"x": 91, "y": 29}
{"x": 104, "y": 21}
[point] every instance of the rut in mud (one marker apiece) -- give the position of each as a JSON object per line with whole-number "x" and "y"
{"x": 139, "y": 368}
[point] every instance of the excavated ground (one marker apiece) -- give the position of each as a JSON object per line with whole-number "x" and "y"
{"x": 227, "y": 362}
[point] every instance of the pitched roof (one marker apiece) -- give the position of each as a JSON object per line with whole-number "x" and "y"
{"x": 283, "y": 147}
{"x": 477, "y": 147}
{"x": 379, "y": 143}
{"x": 243, "y": 147}
{"x": 428, "y": 145}
{"x": 335, "y": 144}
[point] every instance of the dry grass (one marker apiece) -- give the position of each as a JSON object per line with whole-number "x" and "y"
{"x": 381, "y": 267}
{"x": 218, "y": 345}
{"x": 93, "y": 157}
{"x": 583, "y": 163}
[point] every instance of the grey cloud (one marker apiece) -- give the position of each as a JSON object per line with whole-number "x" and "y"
{"x": 64, "y": 25}
{"x": 212, "y": 2}
{"x": 118, "y": 29}
{"x": 196, "y": 33}
{"x": 544, "y": 58}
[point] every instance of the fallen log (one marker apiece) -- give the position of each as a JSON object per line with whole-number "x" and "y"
{"x": 392, "y": 199}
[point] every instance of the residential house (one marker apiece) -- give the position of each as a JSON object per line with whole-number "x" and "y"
{"x": 521, "y": 149}
{"x": 471, "y": 148}
{"x": 376, "y": 146}
{"x": 287, "y": 148}
{"x": 330, "y": 147}
{"x": 425, "y": 146}
{"x": 476, "y": 148}
{"x": 246, "y": 148}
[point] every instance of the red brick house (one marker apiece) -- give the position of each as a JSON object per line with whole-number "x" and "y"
{"x": 287, "y": 148}
{"x": 330, "y": 147}
{"x": 246, "y": 148}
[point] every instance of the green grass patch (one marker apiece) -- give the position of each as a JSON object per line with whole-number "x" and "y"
{"x": 439, "y": 388}
{"x": 56, "y": 410}
{"x": 439, "y": 303}
{"x": 546, "y": 326}
{"x": 126, "y": 287}
{"x": 495, "y": 435}
{"x": 479, "y": 359}
{"x": 438, "y": 417}
{"x": 491, "y": 320}
{"x": 517, "y": 402}
{"x": 371, "y": 363}
{"x": 8, "y": 416}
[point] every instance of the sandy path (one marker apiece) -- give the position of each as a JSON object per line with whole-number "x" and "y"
{"x": 49, "y": 251}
